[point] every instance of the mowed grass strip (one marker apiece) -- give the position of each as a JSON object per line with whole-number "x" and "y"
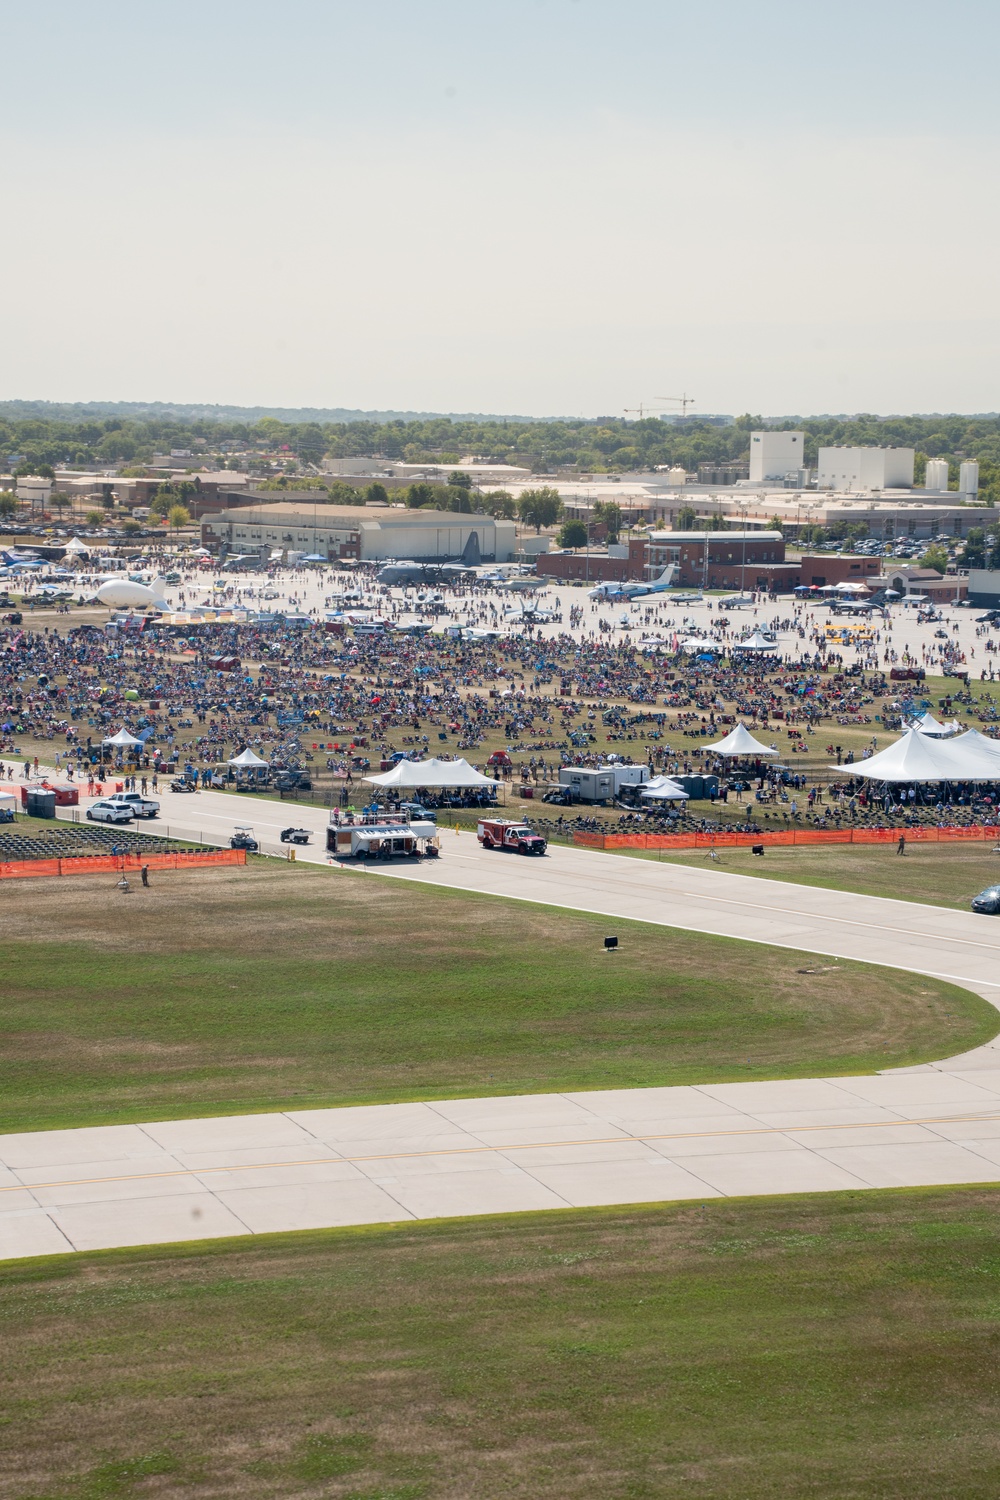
{"x": 934, "y": 874}
{"x": 766, "y": 1349}
{"x": 221, "y": 991}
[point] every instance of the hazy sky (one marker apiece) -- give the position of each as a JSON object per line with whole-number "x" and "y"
{"x": 535, "y": 206}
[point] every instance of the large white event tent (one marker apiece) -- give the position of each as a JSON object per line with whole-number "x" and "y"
{"x": 664, "y": 789}
{"x": 920, "y": 757}
{"x": 122, "y": 740}
{"x": 740, "y": 742}
{"x": 449, "y": 774}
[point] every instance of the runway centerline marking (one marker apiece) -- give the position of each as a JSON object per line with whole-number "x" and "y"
{"x": 609, "y": 1140}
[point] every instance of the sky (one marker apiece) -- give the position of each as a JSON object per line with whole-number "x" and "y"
{"x": 548, "y": 207}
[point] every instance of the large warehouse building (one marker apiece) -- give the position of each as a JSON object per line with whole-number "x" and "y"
{"x": 360, "y": 533}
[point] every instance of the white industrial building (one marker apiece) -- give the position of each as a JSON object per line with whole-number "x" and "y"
{"x": 361, "y": 533}
{"x": 776, "y": 456}
{"x": 865, "y": 469}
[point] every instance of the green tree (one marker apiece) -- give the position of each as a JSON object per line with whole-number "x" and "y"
{"x": 8, "y": 505}
{"x": 458, "y": 498}
{"x": 687, "y": 518}
{"x": 377, "y": 494}
{"x": 94, "y": 518}
{"x": 461, "y": 478}
{"x": 539, "y": 508}
{"x": 178, "y": 516}
{"x": 131, "y": 528}
{"x": 499, "y": 505}
{"x": 608, "y": 513}
{"x": 418, "y": 495}
{"x": 935, "y": 557}
{"x": 165, "y": 497}
{"x": 59, "y": 501}
{"x": 340, "y": 493}
{"x": 572, "y": 534}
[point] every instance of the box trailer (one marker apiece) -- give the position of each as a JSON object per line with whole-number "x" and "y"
{"x": 601, "y": 784}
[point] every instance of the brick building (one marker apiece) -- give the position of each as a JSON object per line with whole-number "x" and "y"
{"x": 823, "y": 568}
{"x": 754, "y": 560}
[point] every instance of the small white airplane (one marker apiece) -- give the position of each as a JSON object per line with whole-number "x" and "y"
{"x": 658, "y": 585}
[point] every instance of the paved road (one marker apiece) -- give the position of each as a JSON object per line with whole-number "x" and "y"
{"x": 191, "y": 1179}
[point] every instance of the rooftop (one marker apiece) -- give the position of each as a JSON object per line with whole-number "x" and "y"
{"x": 319, "y": 513}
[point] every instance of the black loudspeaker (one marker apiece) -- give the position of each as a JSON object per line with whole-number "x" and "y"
{"x": 757, "y": 849}
{"x": 610, "y": 944}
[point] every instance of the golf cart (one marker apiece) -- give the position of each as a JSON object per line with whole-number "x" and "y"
{"x": 183, "y": 784}
{"x": 243, "y": 838}
{"x": 295, "y": 835}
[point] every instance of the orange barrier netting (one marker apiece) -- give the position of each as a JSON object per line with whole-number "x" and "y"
{"x": 786, "y": 839}
{"x": 98, "y": 864}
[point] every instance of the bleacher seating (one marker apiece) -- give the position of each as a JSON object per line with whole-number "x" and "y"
{"x": 71, "y": 840}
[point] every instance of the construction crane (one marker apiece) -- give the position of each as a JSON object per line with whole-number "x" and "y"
{"x": 645, "y": 409}
{"x": 682, "y": 401}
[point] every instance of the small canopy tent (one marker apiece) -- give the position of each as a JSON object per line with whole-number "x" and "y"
{"x": 8, "y": 801}
{"x": 927, "y": 724}
{"x": 76, "y": 548}
{"x": 431, "y": 773}
{"x": 755, "y": 641}
{"x": 122, "y": 740}
{"x": 741, "y": 742}
{"x": 664, "y": 789}
{"x": 247, "y": 761}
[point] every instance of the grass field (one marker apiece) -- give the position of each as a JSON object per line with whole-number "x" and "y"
{"x": 938, "y": 874}
{"x": 836, "y": 1345}
{"x": 222, "y": 991}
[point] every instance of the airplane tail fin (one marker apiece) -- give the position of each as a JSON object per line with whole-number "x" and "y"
{"x": 159, "y": 586}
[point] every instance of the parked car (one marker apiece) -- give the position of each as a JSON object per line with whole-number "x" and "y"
{"x": 142, "y": 807}
{"x": 988, "y": 901}
{"x": 292, "y": 781}
{"x": 107, "y": 811}
{"x": 414, "y": 813}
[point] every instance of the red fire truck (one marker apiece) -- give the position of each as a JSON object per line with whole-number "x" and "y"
{"x": 515, "y": 838}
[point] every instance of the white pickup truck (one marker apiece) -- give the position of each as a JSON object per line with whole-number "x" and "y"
{"x": 140, "y": 806}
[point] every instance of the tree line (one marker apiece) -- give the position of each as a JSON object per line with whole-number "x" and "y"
{"x": 602, "y": 445}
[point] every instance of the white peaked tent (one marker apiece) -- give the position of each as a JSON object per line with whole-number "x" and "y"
{"x": 755, "y": 641}
{"x": 741, "y": 742}
{"x": 247, "y": 761}
{"x": 431, "y": 773}
{"x": 664, "y": 789}
{"x": 921, "y": 757}
{"x": 76, "y": 548}
{"x": 122, "y": 739}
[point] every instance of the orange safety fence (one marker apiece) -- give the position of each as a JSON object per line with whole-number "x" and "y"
{"x": 99, "y": 864}
{"x": 784, "y": 839}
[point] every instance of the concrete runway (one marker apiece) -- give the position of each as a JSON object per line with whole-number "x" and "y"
{"x": 192, "y": 1179}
